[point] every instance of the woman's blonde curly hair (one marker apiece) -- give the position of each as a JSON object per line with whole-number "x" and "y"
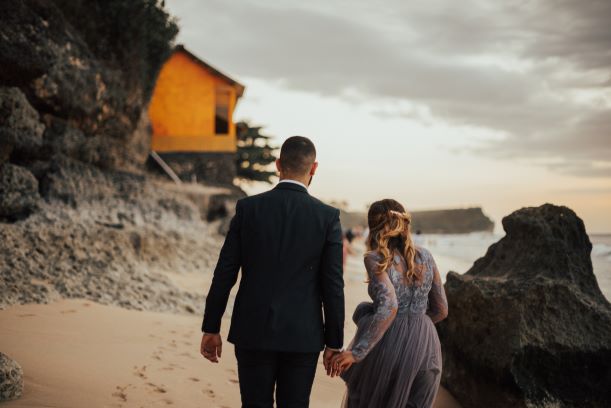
{"x": 389, "y": 229}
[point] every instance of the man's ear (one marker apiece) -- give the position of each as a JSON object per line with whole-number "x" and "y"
{"x": 313, "y": 169}
{"x": 278, "y": 166}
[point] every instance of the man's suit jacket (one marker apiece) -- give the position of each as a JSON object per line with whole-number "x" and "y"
{"x": 289, "y": 246}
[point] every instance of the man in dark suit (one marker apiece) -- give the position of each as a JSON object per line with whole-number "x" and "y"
{"x": 289, "y": 247}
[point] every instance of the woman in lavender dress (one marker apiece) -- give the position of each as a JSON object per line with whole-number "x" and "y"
{"x": 394, "y": 359}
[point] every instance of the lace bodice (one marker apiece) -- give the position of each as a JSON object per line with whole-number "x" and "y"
{"x": 392, "y": 295}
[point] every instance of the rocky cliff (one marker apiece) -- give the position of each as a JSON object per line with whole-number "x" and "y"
{"x": 528, "y": 325}
{"x": 79, "y": 215}
{"x": 75, "y": 78}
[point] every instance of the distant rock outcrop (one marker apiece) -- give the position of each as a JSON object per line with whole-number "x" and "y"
{"x": 11, "y": 378}
{"x": 528, "y": 325}
{"x": 451, "y": 221}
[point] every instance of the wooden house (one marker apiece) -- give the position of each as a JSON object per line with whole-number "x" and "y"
{"x": 191, "y": 113}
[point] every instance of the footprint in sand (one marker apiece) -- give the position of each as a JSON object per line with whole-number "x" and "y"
{"x": 140, "y": 372}
{"x": 26, "y": 315}
{"x": 185, "y": 354}
{"x": 68, "y": 311}
{"x": 233, "y": 381}
{"x": 86, "y": 304}
{"x": 194, "y": 379}
{"x": 121, "y": 392}
{"x": 172, "y": 366}
{"x": 210, "y": 393}
{"x": 157, "y": 388}
{"x": 157, "y": 355}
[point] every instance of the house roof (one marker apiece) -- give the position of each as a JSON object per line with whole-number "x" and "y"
{"x": 238, "y": 86}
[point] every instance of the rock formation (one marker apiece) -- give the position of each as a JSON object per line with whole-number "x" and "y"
{"x": 75, "y": 80}
{"x": 79, "y": 214}
{"x": 109, "y": 236}
{"x": 11, "y": 378}
{"x": 528, "y": 325}
{"x": 450, "y": 221}
{"x": 18, "y": 192}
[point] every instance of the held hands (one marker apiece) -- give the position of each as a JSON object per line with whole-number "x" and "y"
{"x": 211, "y": 347}
{"x": 340, "y": 362}
{"x": 326, "y": 359}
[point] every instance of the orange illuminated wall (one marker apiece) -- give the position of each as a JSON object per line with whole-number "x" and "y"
{"x": 183, "y": 107}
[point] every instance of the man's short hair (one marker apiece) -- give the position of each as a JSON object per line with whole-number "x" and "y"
{"x": 297, "y": 155}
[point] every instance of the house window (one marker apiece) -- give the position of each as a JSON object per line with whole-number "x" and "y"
{"x": 221, "y": 115}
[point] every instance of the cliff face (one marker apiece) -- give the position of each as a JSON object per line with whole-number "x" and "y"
{"x": 452, "y": 221}
{"x": 528, "y": 325}
{"x": 78, "y": 216}
{"x": 75, "y": 78}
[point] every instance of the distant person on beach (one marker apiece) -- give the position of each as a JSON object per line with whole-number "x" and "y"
{"x": 394, "y": 359}
{"x": 347, "y": 238}
{"x": 288, "y": 245}
{"x": 418, "y": 238}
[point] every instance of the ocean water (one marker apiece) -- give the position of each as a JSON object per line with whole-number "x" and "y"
{"x": 457, "y": 253}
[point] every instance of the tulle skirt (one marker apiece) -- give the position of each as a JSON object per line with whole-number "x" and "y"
{"x": 402, "y": 370}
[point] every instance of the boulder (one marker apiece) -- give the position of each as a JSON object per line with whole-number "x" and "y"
{"x": 20, "y": 127}
{"x": 11, "y": 378}
{"x": 18, "y": 192}
{"x": 528, "y": 325}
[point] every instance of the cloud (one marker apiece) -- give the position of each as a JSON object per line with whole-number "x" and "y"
{"x": 538, "y": 73}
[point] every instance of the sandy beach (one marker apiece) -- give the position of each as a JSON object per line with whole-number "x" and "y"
{"x": 77, "y": 353}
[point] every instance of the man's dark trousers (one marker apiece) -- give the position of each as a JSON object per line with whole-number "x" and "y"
{"x": 291, "y": 373}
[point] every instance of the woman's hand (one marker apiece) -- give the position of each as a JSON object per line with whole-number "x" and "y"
{"x": 341, "y": 362}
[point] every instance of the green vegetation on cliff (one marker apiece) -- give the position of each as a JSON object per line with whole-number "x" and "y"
{"x": 135, "y": 37}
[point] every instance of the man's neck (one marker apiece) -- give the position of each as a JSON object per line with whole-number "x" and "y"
{"x": 293, "y": 180}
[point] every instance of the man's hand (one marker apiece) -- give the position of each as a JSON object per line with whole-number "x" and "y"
{"x": 211, "y": 347}
{"x": 326, "y": 359}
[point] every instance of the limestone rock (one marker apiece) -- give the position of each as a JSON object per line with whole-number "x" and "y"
{"x": 18, "y": 192}
{"x": 80, "y": 73}
{"x": 11, "y": 378}
{"x": 20, "y": 127}
{"x": 528, "y": 325}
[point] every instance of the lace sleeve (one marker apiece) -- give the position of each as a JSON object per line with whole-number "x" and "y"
{"x": 385, "y": 310}
{"x": 438, "y": 304}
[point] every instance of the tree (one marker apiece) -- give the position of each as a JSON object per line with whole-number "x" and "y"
{"x": 134, "y": 37}
{"x": 255, "y": 154}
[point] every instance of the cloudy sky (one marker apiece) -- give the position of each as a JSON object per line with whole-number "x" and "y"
{"x": 439, "y": 104}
